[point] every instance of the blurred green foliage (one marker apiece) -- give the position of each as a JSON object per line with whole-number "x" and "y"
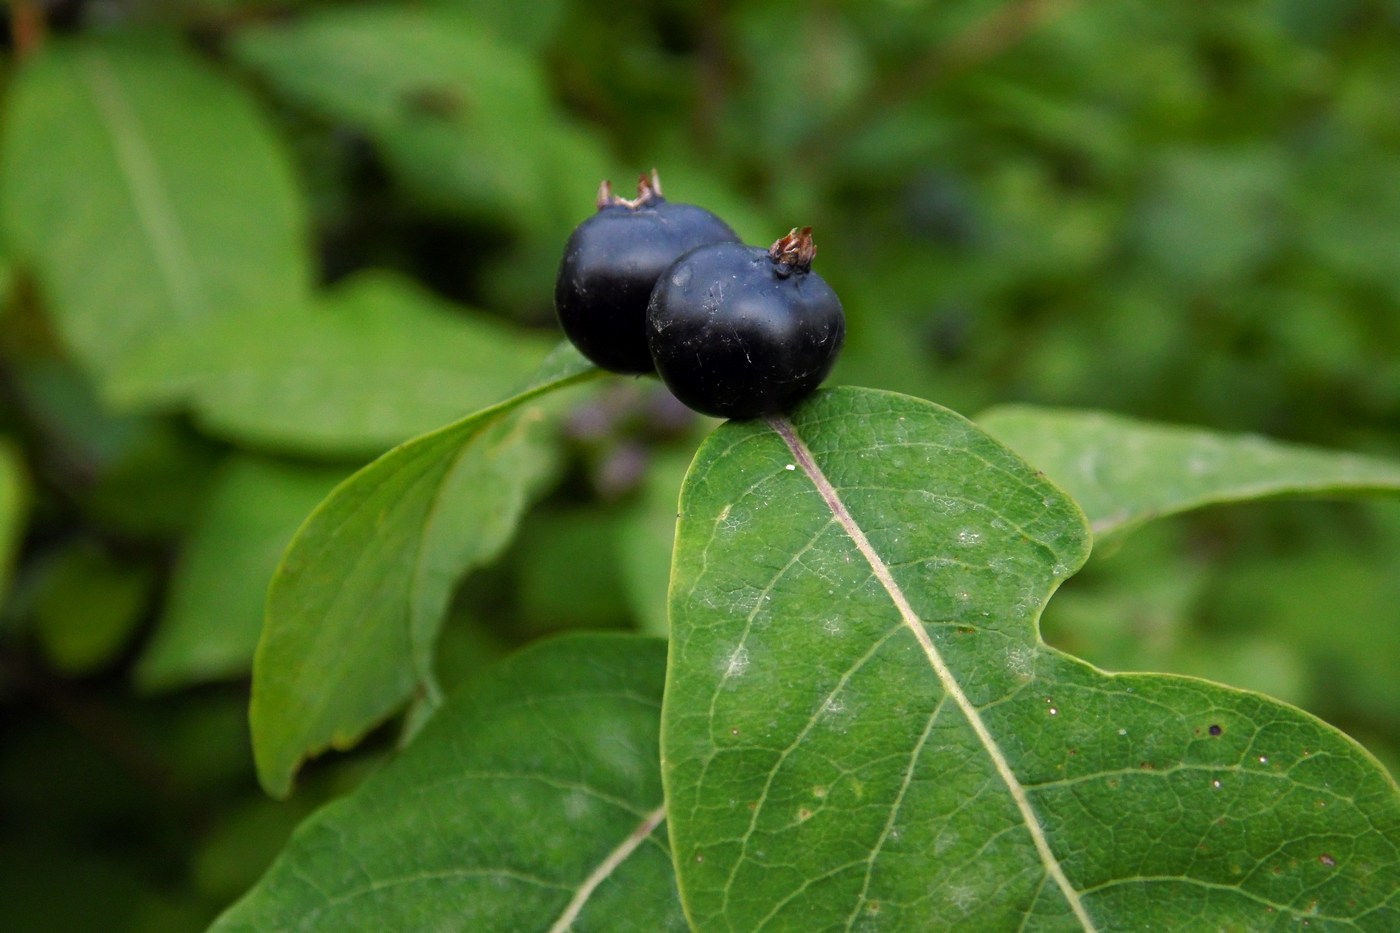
{"x": 1186, "y": 212}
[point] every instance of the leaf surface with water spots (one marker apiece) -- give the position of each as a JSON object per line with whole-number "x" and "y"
{"x": 863, "y": 730}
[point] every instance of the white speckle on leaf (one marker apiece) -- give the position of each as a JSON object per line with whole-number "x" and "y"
{"x": 790, "y": 466}
{"x": 832, "y": 626}
{"x": 1020, "y": 661}
{"x": 962, "y": 896}
{"x": 738, "y": 662}
{"x": 969, "y": 537}
{"x": 576, "y": 805}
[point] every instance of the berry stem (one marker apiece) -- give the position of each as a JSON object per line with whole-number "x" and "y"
{"x": 795, "y": 251}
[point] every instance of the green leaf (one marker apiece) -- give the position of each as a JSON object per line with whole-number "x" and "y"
{"x": 567, "y": 570}
{"x": 532, "y": 801}
{"x": 14, "y": 506}
{"x": 356, "y": 604}
{"x": 862, "y": 728}
{"x": 464, "y": 118}
{"x": 147, "y": 193}
{"x": 86, "y": 605}
{"x": 1124, "y": 472}
{"x": 375, "y": 361}
{"x": 214, "y": 610}
{"x": 648, "y": 533}
{"x": 529, "y": 26}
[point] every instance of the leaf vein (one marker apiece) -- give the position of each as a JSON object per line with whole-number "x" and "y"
{"x": 945, "y": 675}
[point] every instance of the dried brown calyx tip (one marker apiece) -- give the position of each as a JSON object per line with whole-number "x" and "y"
{"x": 648, "y": 190}
{"x": 795, "y": 251}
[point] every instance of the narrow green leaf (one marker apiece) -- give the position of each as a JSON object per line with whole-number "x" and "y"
{"x": 862, "y": 729}
{"x": 1124, "y": 472}
{"x": 14, "y": 505}
{"x": 531, "y": 801}
{"x": 375, "y": 361}
{"x": 214, "y": 609}
{"x": 353, "y": 610}
{"x": 147, "y": 193}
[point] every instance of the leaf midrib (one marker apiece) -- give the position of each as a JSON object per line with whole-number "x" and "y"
{"x": 808, "y": 464}
{"x": 154, "y": 209}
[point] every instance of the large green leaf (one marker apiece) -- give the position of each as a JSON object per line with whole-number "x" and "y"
{"x": 862, "y": 728}
{"x": 147, "y": 193}
{"x": 373, "y": 362}
{"x": 354, "y": 607}
{"x": 1124, "y": 472}
{"x": 214, "y": 609}
{"x": 531, "y": 801}
{"x": 464, "y": 118}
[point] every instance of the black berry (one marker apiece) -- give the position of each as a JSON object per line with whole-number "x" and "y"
{"x": 611, "y": 262}
{"x": 738, "y": 331}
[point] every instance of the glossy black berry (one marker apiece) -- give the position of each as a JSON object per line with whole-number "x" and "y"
{"x": 610, "y": 264}
{"x": 739, "y": 331}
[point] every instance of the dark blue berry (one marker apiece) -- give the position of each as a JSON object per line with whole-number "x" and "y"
{"x": 738, "y": 331}
{"x": 611, "y": 263}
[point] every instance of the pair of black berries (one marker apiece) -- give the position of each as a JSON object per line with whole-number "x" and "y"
{"x": 734, "y": 331}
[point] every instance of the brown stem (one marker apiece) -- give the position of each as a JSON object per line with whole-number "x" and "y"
{"x": 27, "y": 27}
